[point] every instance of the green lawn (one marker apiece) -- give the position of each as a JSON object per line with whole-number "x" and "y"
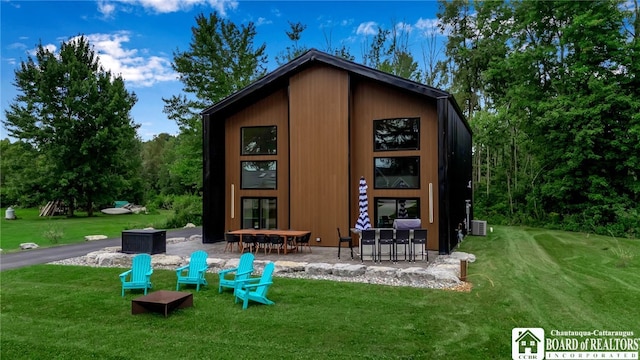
{"x": 522, "y": 278}
{"x": 29, "y": 227}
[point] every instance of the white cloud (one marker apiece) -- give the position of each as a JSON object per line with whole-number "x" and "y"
{"x": 263, "y": 21}
{"x": 367, "y": 28}
{"x": 430, "y": 27}
{"x": 52, "y": 48}
{"x": 404, "y": 27}
{"x": 107, "y": 9}
{"x": 17, "y": 45}
{"x": 169, "y": 6}
{"x": 136, "y": 69}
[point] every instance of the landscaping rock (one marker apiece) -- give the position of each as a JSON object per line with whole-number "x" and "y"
{"x": 348, "y": 270}
{"x": 381, "y": 271}
{"x": 27, "y": 246}
{"x": 289, "y": 266}
{"x": 195, "y": 238}
{"x": 94, "y": 237}
{"x": 459, "y": 255}
{"x": 319, "y": 269}
{"x": 189, "y": 225}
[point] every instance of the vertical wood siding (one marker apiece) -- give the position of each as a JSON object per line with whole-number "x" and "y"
{"x": 272, "y": 110}
{"x": 319, "y": 152}
{"x": 371, "y": 101}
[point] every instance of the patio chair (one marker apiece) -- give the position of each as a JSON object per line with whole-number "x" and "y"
{"x": 261, "y": 242}
{"x": 277, "y": 242}
{"x": 248, "y": 243}
{"x": 368, "y": 238}
{"x": 303, "y": 241}
{"x": 255, "y": 289}
{"x": 402, "y": 238}
{"x": 243, "y": 271}
{"x": 139, "y": 277}
{"x": 420, "y": 238}
{"x": 195, "y": 270}
{"x": 231, "y": 239}
{"x": 344, "y": 239}
{"x": 386, "y": 238}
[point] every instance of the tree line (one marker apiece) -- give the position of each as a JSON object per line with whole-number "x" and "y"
{"x": 550, "y": 90}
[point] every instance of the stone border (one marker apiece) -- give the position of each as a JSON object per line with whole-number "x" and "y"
{"x": 443, "y": 273}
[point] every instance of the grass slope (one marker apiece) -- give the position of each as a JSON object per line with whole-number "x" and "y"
{"x": 522, "y": 278}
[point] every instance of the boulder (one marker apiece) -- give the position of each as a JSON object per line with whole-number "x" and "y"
{"x": 348, "y": 270}
{"x": 189, "y": 225}
{"x": 94, "y": 237}
{"x": 27, "y": 246}
{"x": 319, "y": 269}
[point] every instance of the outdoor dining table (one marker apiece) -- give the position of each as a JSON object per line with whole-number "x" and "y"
{"x": 286, "y": 234}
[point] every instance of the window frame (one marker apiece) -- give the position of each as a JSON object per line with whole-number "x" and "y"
{"x": 375, "y": 132}
{"x": 376, "y": 217}
{"x": 259, "y": 198}
{"x": 242, "y": 143}
{"x": 375, "y": 172}
{"x": 242, "y": 175}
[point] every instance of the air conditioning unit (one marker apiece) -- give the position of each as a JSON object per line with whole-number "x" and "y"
{"x": 479, "y": 227}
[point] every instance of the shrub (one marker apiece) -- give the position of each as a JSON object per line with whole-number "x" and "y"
{"x": 188, "y": 209}
{"x": 53, "y": 234}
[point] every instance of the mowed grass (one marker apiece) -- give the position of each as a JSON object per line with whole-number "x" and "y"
{"x": 522, "y": 278}
{"x": 30, "y": 227}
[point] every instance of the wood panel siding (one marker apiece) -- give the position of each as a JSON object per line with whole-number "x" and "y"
{"x": 269, "y": 111}
{"x": 319, "y": 152}
{"x": 372, "y": 101}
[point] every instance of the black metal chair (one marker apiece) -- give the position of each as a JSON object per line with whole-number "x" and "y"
{"x": 344, "y": 239}
{"x": 248, "y": 243}
{"x": 231, "y": 239}
{"x": 386, "y": 238}
{"x": 368, "y": 238}
{"x": 402, "y": 238}
{"x": 261, "y": 242}
{"x": 419, "y": 237}
{"x": 302, "y": 241}
{"x": 277, "y": 242}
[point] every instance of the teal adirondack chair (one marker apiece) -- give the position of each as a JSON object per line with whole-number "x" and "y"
{"x": 243, "y": 271}
{"x": 139, "y": 277}
{"x": 255, "y": 289}
{"x": 195, "y": 271}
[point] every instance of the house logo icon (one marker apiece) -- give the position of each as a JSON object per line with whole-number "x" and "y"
{"x": 527, "y": 343}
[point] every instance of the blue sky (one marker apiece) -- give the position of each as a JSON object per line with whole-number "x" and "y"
{"x": 137, "y": 38}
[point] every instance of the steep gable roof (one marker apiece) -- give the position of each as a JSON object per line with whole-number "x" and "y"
{"x": 280, "y": 77}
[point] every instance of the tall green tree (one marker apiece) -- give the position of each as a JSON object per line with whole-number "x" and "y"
{"x": 23, "y": 179}
{"x": 221, "y": 60}
{"x": 76, "y": 114}
{"x": 295, "y": 49}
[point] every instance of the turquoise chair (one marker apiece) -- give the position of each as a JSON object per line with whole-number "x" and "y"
{"x": 139, "y": 277}
{"x": 243, "y": 271}
{"x": 194, "y": 271}
{"x": 255, "y": 289}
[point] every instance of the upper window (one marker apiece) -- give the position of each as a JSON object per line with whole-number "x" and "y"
{"x": 396, "y": 134}
{"x": 397, "y": 172}
{"x": 259, "y": 174}
{"x": 259, "y": 140}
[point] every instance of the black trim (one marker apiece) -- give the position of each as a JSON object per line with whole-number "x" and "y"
{"x": 213, "y": 168}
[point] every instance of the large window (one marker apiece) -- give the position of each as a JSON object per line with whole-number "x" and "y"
{"x": 259, "y": 140}
{"x": 259, "y": 213}
{"x": 259, "y": 174}
{"x": 389, "y": 209}
{"x": 397, "y": 172}
{"x": 396, "y": 134}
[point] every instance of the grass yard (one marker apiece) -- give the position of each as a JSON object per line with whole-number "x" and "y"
{"x": 522, "y": 278}
{"x": 29, "y": 227}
